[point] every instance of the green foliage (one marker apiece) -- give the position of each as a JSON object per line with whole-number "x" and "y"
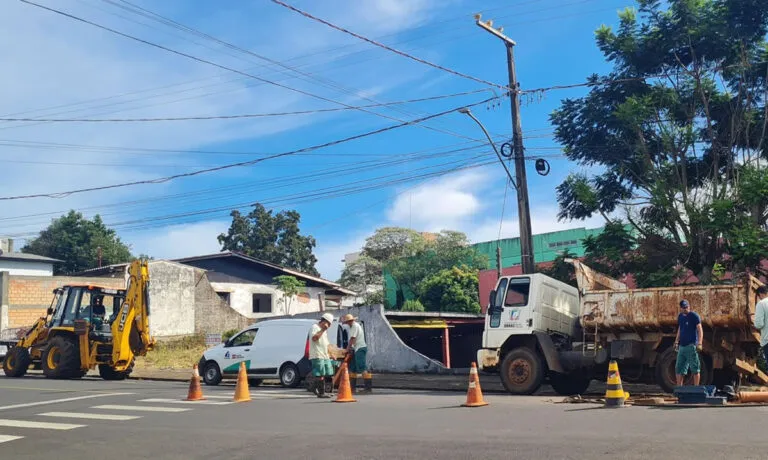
{"x": 560, "y": 269}
{"x": 361, "y": 274}
{"x": 75, "y": 240}
{"x": 676, "y": 140}
{"x": 289, "y": 286}
{"x": 228, "y": 334}
{"x": 454, "y": 289}
{"x": 413, "y": 305}
{"x": 447, "y": 250}
{"x": 274, "y": 238}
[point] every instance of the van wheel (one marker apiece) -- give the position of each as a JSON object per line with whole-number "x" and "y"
{"x": 211, "y": 373}
{"x": 289, "y": 375}
{"x": 522, "y": 371}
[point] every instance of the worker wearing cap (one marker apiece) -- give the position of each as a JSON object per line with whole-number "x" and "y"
{"x": 688, "y": 343}
{"x": 359, "y": 349}
{"x": 318, "y": 354}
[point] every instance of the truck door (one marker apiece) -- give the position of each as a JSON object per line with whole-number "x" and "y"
{"x": 515, "y": 315}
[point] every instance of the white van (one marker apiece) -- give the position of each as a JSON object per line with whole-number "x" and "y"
{"x": 276, "y": 348}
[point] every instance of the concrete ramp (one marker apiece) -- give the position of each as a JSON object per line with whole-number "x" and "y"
{"x": 386, "y": 351}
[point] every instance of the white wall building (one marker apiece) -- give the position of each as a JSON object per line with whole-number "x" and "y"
{"x": 19, "y": 263}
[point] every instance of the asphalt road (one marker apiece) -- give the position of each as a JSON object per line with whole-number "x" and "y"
{"x": 94, "y": 419}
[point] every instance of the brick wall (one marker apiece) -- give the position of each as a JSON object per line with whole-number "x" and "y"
{"x": 30, "y": 296}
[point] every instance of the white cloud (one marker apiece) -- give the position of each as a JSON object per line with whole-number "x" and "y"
{"x": 441, "y": 204}
{"x": 59, "y": 67}
{"x": 177, "y": 241}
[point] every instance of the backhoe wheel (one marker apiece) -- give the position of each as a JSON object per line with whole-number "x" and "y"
{"x": 17, "y": 361}
{"x": 109, "y": 373}
{"x": 61, "y": 358}
{"x": 522, "y": 371}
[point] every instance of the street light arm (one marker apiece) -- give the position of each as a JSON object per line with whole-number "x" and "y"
{"x": 490, "y": 141}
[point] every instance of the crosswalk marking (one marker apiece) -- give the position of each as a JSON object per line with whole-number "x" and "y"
{"x": 90, "y": 416}
{"x": 181, "y": 401}
{"x": 140, "y": 408}
{"x": 43, "y": 425}
{"x": 4, "y": 438}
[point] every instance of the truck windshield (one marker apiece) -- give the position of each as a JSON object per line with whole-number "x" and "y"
{"x": 517, "y": 292}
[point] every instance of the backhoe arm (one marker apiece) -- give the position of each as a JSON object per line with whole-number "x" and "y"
{"x": 130, "y": 330}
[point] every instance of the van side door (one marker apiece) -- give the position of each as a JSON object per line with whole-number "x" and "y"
{"x": 237, "y": 350}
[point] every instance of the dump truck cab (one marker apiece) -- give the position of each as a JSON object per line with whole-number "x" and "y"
{"x": 530, "y": 319}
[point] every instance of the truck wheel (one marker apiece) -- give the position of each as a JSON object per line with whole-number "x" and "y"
{"x": 569, "y": 385}
{"x": 61, "y": 358}
{"x": 665, "y": 371}
{"x": 17, "y": 362}
{"x": 522, "y": 371}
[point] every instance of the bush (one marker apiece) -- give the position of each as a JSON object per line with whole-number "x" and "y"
{"x": 413, "y": 305}
{"x": 228, "y": 334}
{"x": 454, "y": 289}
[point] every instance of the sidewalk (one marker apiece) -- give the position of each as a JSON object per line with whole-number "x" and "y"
{"x": 490, "y": 383}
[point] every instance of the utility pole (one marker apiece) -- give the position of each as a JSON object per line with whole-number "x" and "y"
{"x": 521, "y": 184}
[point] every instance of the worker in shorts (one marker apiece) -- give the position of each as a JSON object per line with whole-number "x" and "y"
{"x": 318, "y": 354}
{"x": 688, "y": 343}
{"x": 359, "y": 350}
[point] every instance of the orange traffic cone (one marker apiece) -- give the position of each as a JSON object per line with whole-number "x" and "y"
{"x": 195, "y": 391}
{"x": 242, "y": 393}
{"x": 345, "y": 390}
{"x": 474, "y": 393}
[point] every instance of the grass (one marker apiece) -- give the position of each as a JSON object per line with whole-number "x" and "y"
{"x": 174, "y": 354}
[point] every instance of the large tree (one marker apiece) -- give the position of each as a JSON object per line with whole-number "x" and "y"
{"x": 76, "y": 240}
{"x": 272, "y": 237}
{"x": 674, "y": 139}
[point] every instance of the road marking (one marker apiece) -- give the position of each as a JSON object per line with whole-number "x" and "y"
{"x": 181, "y": 401}
{"x": 141, "y": 408}
{"x": 56, "y": 401}
{"x": 218, "y": 397}
{"x": 43, "y": 425}
{"x": 4, "y": 438}
{"x": 90, "y": 416}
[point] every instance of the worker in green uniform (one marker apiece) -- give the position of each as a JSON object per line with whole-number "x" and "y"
{"x": 318, "y": 354}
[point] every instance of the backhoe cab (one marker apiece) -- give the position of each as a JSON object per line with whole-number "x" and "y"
{"x": 88, "y": 326}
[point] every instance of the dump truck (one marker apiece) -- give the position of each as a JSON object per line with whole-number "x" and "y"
{"x": 540, "y": 330}
{"x": 78, "y": 333}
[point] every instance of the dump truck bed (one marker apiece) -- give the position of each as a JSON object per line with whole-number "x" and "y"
{"x": 609, "y": 305}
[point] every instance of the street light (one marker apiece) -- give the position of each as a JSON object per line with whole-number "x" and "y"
{"x": 466, "y": 111}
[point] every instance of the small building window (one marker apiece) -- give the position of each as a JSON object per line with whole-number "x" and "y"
{"x": 562, "y": 244}
{"x": 224, "y": 296}
{"x": 262, "y": 303}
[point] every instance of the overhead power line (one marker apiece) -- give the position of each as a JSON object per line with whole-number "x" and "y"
{"x": 243, "y": 163}
{"x": 389, "y": 48}
{"x": 247, "y": 115}
{"x": 230, "y": 69}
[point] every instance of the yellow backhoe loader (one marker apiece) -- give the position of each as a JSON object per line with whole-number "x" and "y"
{"x": 78, "y": 332}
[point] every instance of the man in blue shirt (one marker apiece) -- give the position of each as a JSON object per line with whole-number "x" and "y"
{"x": 688, "y": 343}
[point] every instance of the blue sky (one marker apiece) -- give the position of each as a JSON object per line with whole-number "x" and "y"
{"x": 57, "y": 67}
